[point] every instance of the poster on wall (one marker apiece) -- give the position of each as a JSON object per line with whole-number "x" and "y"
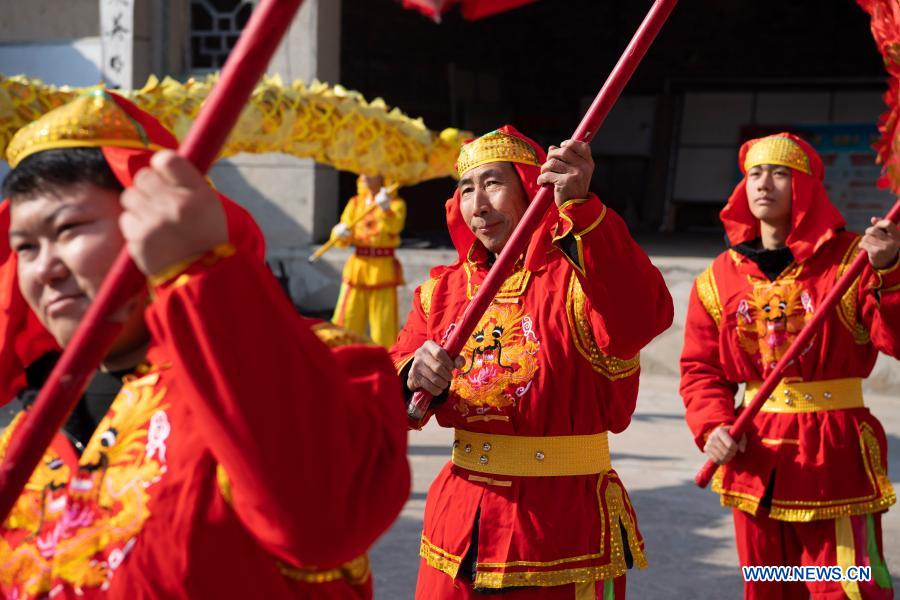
{"x": 850, "y": 171}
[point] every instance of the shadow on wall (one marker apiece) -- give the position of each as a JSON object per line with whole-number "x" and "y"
{"x": 313, "y": 288}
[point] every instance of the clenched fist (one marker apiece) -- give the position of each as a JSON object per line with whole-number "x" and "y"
{"x": 170, "y": 214}
{"x": 432, "y": 369}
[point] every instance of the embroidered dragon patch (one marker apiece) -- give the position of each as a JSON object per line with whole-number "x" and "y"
{"x": 770, "y": 319}
{"x": 79, "y": 527}
{"x": 500, "y": 360}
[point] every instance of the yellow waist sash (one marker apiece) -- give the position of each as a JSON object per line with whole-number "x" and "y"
{"x": 810, "y": 396}
{"x": 524, "y": 456}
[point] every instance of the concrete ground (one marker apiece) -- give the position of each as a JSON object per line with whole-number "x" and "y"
{"x": 689, "y": 538}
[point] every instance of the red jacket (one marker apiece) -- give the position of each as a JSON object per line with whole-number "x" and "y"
{"x": 819, "y": 464}
{"x": 238, "y": 464}
{"x": 555, "y": 355}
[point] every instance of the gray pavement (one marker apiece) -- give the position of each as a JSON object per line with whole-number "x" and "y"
{"x": 689, "y": 539}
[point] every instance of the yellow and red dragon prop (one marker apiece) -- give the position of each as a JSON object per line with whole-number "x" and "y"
{"x": 330, "y": 124}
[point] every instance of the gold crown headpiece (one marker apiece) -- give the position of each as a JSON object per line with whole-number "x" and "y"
{"x": 495, "y": 146}
{"x": 777, "y": 150}
{"x": 90, "y": 120}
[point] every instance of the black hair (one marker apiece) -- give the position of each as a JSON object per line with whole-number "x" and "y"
{"x": 50, "y": 170}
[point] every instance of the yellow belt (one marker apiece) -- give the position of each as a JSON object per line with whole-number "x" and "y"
{"x": 810, "y": 396}
{"x": 523, "y": 456}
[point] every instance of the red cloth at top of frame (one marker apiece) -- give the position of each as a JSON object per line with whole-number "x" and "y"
{"x": 471, "y": 9}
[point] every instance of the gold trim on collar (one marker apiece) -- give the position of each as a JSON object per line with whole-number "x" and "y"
{"x": 514, "y": 286}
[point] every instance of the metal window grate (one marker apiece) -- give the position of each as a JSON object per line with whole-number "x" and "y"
{"x": 214, "y": 29}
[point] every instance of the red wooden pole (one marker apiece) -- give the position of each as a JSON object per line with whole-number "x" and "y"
{"x": 96, "y": 333}
{"x": 517, "y": 243}
{"x": 745, "y": 420}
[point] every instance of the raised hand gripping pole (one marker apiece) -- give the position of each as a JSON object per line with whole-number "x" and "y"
{"x": 517, "y": 243}
{"x": 745, "y": 420}
{"x": 96, "y": 333}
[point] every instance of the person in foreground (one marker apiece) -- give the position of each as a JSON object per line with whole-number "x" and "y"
{"x": 809, "y": 484}
{"x": 222, "y": 450}
{"x": 529, "y": 506}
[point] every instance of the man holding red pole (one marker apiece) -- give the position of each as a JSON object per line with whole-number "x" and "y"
{"x": 222, "y": 450}
{"x": 529, "y": 506}
{"x": 809, "y": 485}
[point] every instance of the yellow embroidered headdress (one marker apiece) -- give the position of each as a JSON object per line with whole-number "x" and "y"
{"x": 777, "y": 150}
{"x": 814, "y": 218}
{"x": 91, "y": 120}
{"x": 495, "y": 146}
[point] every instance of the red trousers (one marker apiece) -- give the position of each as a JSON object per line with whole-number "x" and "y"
{"x": 437, "y": 585}
{"x": 843, "y": 542}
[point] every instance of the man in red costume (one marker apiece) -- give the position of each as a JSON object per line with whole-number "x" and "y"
{"x": 530, "y": 499}
{"x": 222, "y": 450}
{"x": 809, "y": 484}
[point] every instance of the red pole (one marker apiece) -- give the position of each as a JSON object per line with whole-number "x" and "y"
{"x": 246, "y": 64}
{"x": 745, "y": 420}
{"x": 517, "y": 243}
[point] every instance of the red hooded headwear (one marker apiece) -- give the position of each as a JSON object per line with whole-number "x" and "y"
{"x": 128, "y": 138}
{"x": 462, "y": 235}
{"x": 814, "y": 219}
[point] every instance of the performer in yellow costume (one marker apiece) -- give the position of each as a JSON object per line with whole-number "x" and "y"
{"x": 372, "y": 274}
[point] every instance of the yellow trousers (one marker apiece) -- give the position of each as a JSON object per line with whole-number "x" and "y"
{"x": 357, "y": 307}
